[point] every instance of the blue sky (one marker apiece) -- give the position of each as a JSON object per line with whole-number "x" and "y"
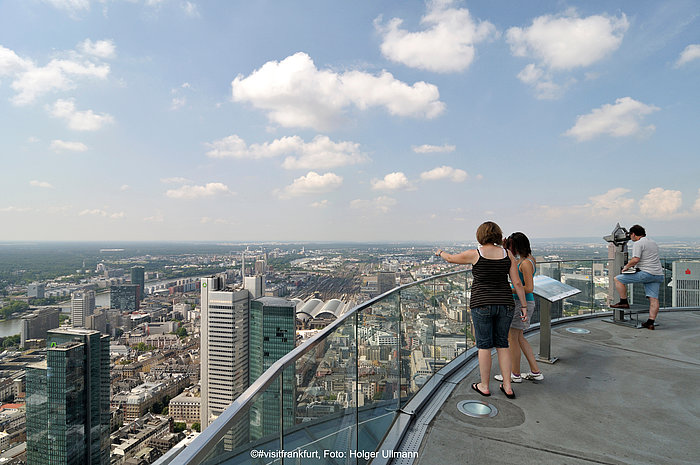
{"x": 364, "y": 120}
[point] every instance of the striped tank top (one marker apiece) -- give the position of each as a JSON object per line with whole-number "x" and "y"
{"x": 490, "y": 285}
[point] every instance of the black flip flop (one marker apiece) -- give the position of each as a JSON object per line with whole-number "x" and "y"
{"x": 475, "y": 386}
{"x": 510, "y": 396}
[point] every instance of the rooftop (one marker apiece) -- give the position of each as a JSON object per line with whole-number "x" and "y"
{"x": 616, "y": 395}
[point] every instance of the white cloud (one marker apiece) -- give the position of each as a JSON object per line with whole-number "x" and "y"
{"x": 567, "y": 41}
{"x": 445, "y": 45}
{"x": 156, "y": 218}
{"x": 660, "y": 203}
{"x": 79, "y": 120}
{"x": 42, "y": 184}
{"x": 444, "y": 172}
{"x": 61, "y": 145}
{"x": 382, "y": 203}
{"x": 191, "y": 9}
{"x": 312, "y": 183}
{"x": 101, "y": 49}
{"x": 392, "y": 181}
{"x": 320, "y": 204}
{"x": 434, "y": 148}
{"x": 125, "y": 187}
{"x": 11, "y": 63}
{"x": 12, "y": 209}
{"x": 175, "y": 180}
{"x": 196, "y": 192}
{"x": 696, "y": 206}
{"x": 102, "y": 213}
{"x": 59, "y": 74}
{"x": 562, "y": 43}
{"x": 619, "y": 120}
{"x": 177, "y": 102}
{"x": 70, "y": 5}
{"x": 690, "y": 53}
{"x": 294, "y": 93}
{"x": 611, "y": 204}
{"x": 320, "y": 153}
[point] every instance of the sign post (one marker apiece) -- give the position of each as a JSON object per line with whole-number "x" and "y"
{"x": 549, "y": 290}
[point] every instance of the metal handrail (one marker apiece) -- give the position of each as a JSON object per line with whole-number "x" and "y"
{"x": 196, "y": 451}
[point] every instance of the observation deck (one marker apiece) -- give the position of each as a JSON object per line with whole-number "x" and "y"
{"x": 382, "y": 385}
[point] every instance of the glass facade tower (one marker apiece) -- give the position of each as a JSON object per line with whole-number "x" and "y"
{"x": 68, "y": 400}
{"x": 272, "y": 335}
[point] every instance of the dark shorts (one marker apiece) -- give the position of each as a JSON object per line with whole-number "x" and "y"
{"x": 491, "y": 325}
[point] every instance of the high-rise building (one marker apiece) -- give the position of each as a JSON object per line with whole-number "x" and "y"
{"x": 260, "y": 267}
{"x": 36, "y": 290}
{"x": 272, "y": 335}
{"x": 82, "y": 305}
{"x": 124, "y": 297}
{"x": 255, "y": 285}
{"x": 386, "y": 281}
{"x": 138, "y": 277}
{"x": 68, "y": 400}
{"x": 36, "y": 324}
{"x": 224, "y": 347}
{"x": 685, "y": 283}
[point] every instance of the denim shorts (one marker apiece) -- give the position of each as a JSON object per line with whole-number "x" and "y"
{"x": 651, "y": 282}
{"x": 491, "y": 325}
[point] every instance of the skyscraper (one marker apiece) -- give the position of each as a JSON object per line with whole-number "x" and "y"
{"x": 124, "y": 297}
{"x": 386, "y": 281}
{"x": 224, "y": 346}
{"x": 138, "y": 277}
{"x": 68, "y": 400}
{"x": 82, "y": 305}
{"x": 272, "y": 335}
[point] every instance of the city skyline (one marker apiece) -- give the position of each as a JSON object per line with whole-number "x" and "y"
{"x": 363, "y": 121}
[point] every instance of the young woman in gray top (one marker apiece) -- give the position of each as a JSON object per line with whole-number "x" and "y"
{"x": 519, "y": 245}
{"x": 491, "y": 301}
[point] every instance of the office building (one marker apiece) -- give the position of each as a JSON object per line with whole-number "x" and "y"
{"x": 255, "y": 285}
{"x": 68, "y": 400}
{"x": 36, "y": 324}
{"x": 36, "y": 290}
{"x": 224, "y": 346}
{"x": 386, "y": 281}
{"x": 138, "y": 278}
{"x": 685, "y": 284}
{"x": 82, "y": 305}
{"x": 272, "y": 335}
{"x": 124, "y": 297}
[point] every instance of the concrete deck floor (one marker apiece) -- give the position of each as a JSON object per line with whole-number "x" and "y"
{"x": 616, "y": 395}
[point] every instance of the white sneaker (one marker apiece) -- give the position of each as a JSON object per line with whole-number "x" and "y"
{"x": 533, "y": 376}
{"x": 513, "y": 378}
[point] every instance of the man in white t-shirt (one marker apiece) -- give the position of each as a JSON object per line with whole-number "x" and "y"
{"x": 645, "y": 259}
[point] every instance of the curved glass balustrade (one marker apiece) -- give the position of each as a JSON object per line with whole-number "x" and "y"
{"x": 334, "y": 397}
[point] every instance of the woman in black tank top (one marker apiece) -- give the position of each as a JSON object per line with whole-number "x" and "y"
{"x": 491, "y": 301}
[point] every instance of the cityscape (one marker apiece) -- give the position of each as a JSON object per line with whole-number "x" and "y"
{"x": 220, "y": 219}
{"x": 172, "y": 334}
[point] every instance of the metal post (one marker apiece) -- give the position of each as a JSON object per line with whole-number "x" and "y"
{"x": 545, "y": 354}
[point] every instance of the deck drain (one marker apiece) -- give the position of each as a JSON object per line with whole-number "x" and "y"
{"x": 477, "y": 409}
{"x": 578, "y": 330}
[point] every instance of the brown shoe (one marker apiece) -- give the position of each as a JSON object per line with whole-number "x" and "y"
{"x": 648, "y": 325}
{"x": 620, "y": 305}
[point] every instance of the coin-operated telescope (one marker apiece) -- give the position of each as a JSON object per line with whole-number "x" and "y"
{"x": 617, "y": 251}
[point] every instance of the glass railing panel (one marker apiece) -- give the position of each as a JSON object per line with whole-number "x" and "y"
{"x": 255, "y": 437}
{"x": 378, "y": 375}
{"x": 450, "y": 307}
{"x": 417, "y": 337}
{"x": 578, "y": 274}
{"x": 601, "y": 285}
{"x": 325, "y": 403}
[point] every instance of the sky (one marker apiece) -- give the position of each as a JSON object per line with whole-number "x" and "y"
{"x": 357, "y": 121}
